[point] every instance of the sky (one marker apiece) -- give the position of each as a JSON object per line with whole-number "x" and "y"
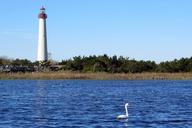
{"x": 158, "y": 30}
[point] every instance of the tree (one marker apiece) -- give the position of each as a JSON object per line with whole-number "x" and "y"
{"x": 21, "y": 62}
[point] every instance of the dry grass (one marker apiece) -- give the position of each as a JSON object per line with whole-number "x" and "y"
{"x": 97, "y": 76}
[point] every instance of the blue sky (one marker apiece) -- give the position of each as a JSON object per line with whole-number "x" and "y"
{"x": 156, "y": 30}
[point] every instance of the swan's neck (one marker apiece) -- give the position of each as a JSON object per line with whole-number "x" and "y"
{"x": 126, "y": 110}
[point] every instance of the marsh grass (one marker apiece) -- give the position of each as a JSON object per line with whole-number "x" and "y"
{"x": 97, "y": 76}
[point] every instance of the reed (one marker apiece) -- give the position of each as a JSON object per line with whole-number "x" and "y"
{"x": 97, "y": 76}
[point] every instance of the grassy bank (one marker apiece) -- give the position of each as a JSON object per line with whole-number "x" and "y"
{"x": 98, "y": 76}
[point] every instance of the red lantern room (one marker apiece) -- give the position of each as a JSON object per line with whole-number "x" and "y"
{"x": 42, "y": 14}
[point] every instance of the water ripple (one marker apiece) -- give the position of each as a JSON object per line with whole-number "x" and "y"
{"x": 95, "y": 104}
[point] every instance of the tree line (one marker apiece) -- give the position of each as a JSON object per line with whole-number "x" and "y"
{"x": 105, "y": 63}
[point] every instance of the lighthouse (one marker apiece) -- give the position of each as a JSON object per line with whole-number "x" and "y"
{"x": 42, "y": 39}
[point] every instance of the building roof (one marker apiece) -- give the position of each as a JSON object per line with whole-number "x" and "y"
{"x": 42, "y": 14}
{"x": 42, "y": 8}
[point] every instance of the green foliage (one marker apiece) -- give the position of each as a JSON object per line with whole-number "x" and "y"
{"x": 21, "y": 62}
{"x": 120, "y": 64}
{"x": 5, "y": 61}
{"x": 114, "y": 64}
{"x": 105, "y": 63}
{"x": 182, "y": 65}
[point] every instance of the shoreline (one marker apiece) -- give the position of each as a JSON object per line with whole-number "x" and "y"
{"x": 95, "y": 76}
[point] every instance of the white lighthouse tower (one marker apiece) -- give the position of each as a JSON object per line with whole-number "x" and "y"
{"x": 42, "y": 40}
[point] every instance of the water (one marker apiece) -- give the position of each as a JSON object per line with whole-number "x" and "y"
{"x": 95, "y": 104}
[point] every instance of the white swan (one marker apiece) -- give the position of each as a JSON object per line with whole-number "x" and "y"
{"x": 126, "y": 115}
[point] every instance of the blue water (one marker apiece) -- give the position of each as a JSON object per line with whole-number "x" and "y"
{"x": 95, "y": 104}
